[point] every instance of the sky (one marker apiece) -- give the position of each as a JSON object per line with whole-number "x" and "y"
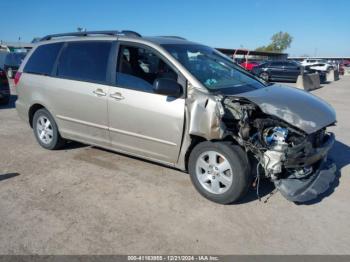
{"x": 319, "y": 27}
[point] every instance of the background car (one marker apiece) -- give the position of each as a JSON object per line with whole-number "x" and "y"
{"x": 343, "y": 65}
{"x": 249, "y": 65}
{"x": 4, "y": 88}
{"x": 322, "y": 74}
{"x": 12, "y": 63}
{"x": 317, "y": 64}
{"x": 278, "y": 71}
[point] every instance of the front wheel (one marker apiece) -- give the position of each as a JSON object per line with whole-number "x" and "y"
{"x": 220, "y": 171}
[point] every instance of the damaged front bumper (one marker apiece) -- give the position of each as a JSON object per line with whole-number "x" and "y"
{"x": 317, "y": 154}
{"x": 306, "y": 189}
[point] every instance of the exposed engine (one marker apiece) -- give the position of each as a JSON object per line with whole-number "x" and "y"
{"x": 282, "y": 151}
{"x": 275, "y": 139}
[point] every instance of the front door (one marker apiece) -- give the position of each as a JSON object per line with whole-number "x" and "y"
{"x": 276, "y": 70}
{"x": 142, "y": 122}
{"x": 292, "y": 70}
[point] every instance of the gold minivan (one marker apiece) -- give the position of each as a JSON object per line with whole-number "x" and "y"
{"x": 178, "y": 103}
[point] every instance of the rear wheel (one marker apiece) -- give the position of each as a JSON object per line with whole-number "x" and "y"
{"x": 46, "y": 131}
{"x": 220, "y": 171}
{"x": 9, "y": 73}
{"x": 264, "y": 76}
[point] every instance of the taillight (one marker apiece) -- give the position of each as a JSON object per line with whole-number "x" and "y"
{"x": 17, "y": 77}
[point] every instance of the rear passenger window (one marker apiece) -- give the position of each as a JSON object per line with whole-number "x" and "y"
{"x": 86, "y": 61}
{"x": 277, "y": 64}
{"x": 42, "y": 60}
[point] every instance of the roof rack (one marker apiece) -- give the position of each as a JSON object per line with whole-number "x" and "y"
{"x": 173, "y": 36}
{"x": 86, "y": 33}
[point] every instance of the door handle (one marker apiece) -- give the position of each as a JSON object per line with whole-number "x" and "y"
{"x": 99, "y": 92}
{"x": 117, "y": 96}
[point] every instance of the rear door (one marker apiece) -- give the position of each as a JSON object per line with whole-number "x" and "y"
{"x": 142, "y": 122}
{"x": 276, "y": 70}
{"x": 79, "y": 91}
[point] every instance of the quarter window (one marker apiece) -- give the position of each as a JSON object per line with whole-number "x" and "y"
{"x": 86, "y": 61}
{"x": 138, "y": 68}
{"x": 42, "y": 60}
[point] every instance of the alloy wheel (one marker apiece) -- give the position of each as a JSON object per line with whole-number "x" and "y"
{"x": 214, "y": 172}
{"x": 264, "y": 76}
{"x": 44, "y": 130}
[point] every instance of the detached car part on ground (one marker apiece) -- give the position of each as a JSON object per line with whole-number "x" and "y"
{"x": 224, "y": 126}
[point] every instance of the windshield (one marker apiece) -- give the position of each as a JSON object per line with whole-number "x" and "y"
{"x": 214, "y": 70}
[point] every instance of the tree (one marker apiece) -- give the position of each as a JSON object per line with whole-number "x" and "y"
{"x": 279, "y": 42}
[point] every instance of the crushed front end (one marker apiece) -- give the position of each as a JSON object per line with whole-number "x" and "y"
{"x": 294, "y": 160}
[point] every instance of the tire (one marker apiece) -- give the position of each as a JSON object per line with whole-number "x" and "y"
{"x": 46, "y": 133}
{"x": 206, "y": 176}
{"x": 265, "y": 76}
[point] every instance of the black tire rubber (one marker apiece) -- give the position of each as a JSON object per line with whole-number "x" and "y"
{"x": 57, "y": 141}
{"x": 239, "y": 162}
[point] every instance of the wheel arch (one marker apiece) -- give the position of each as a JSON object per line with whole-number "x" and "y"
{"x": 33, "y": 108}
{"x": 195, "y": 140}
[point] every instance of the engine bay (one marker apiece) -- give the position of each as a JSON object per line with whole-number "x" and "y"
{"x": 283, "y": 152}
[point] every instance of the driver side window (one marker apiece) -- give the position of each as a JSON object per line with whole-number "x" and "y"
{"x": 138, "y": 67}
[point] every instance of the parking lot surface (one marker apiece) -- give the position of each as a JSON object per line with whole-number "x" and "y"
{"x": 86, "y": 200}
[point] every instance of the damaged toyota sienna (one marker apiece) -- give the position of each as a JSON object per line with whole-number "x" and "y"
{"x": 181, "y": 104}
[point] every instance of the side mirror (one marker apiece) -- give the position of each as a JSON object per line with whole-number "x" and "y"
{"x": 166, "y": 86}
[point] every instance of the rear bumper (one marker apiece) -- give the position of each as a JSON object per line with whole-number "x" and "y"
{"x": 302, "y": 190}
{"x": 22, "y": 110}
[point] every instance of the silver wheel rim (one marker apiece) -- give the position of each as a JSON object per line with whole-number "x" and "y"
{"x": 264, "y": 76}
{"x": 9, "y": 73}
{"x": 214, "y": 172}
{"x": 44, "y": 130}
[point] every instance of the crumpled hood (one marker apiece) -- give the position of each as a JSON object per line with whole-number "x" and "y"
{"x": 296, "y": 107}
